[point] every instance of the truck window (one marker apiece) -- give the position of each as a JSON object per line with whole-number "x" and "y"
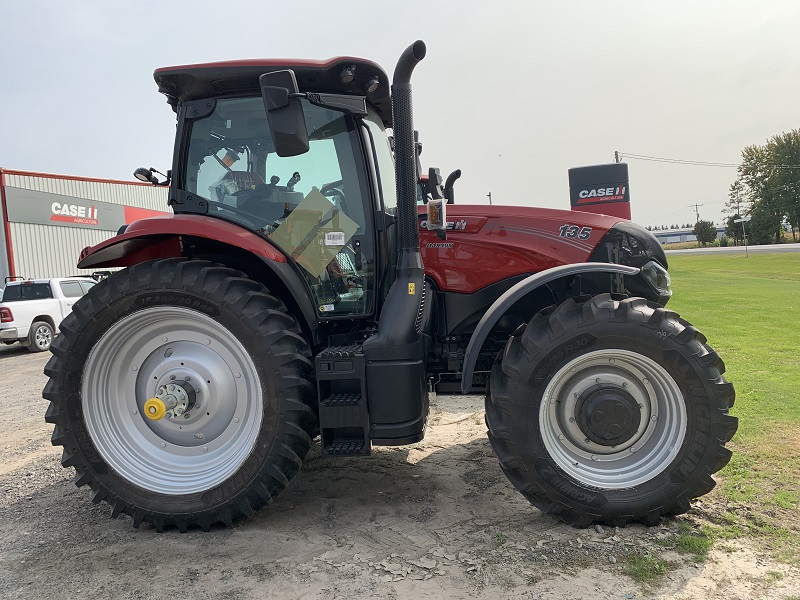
{"x": 27, "y": 291}
{"x": 71, "y": 289}
{"x": 87, "y": 285}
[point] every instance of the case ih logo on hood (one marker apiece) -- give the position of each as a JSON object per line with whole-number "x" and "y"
{"x": 74, "y": 213}
{"x": 449, "y": 225}
{"x": 608, "y": 193}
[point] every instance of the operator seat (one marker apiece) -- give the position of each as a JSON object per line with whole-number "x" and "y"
{"x": 253, "y": 195}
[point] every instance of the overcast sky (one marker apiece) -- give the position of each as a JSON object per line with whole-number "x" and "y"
{"x": 513, "y": 93}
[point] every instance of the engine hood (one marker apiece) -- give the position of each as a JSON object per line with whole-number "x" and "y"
{"x": 486, "y": 244}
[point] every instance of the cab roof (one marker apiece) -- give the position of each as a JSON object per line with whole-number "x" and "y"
{"x": 240, "y": 77}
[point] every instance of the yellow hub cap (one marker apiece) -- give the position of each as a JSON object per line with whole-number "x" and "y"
{"x": 155, "y": 409}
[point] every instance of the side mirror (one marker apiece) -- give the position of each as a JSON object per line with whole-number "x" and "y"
{"x": 146, "y": 175}
{"x": 284, "y": 112}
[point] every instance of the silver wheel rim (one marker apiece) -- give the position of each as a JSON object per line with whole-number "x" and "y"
{"x": 43, "y": 337}
{"x": 651, "y": 447}
{"x": 188, "y": 453}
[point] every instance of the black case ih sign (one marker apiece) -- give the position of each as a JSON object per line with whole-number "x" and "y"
{"x": 605, "y": 185}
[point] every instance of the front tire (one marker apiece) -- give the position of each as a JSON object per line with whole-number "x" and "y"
{"x": 214, "y": 342}
{"x": 610, "y": 412}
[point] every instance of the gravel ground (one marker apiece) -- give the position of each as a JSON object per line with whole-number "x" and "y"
{"x": 436, "y": 519}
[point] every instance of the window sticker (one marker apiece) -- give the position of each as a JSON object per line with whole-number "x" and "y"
{"x": 334, "y": 238}
{"x": 304, "y": 233}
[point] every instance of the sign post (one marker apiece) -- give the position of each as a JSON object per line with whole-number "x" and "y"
{"x": 744, "y": 233}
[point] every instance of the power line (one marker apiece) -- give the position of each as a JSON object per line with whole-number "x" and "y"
{"x": 678, "y": 161}
{"x": 698, "y": 163}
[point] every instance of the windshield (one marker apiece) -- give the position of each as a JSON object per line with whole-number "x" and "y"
{"x": 311, "y": 206}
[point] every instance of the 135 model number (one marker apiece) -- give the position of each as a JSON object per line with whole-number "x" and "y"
{"x": 574, "y": 231}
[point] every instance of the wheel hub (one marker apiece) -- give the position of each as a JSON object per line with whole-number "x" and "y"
{"x": 172, "y": 400}
{"x": 612, "y": 418}
{"x": 608, "y": 415}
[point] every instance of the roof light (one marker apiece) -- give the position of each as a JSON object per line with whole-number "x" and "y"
{"x": 348, "y": 74}
{"x": 373, "y": 84}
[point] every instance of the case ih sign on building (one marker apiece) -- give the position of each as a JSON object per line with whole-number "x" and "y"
{"x": 49, "y": 219}
{"x": 74, "y": 213}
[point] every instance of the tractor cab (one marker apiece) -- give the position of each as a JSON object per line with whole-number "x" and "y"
{"x": 328, "y": 208}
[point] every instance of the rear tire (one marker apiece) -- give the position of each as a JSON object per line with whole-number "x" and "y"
{"x": 240, "y": 361}
{"x": 40, "y": 337}
{"x": 610, "y": 412}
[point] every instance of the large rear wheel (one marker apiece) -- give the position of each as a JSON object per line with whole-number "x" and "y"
{"x": 610, "y": 411}
{"x": 182, "y": 394}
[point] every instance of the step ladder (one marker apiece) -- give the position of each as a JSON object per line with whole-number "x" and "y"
{"x": 343, "y": 410}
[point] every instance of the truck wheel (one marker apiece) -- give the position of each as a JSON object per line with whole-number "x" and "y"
{"x": 610, "y": 412}
{"x": 222, "y": 370}
{"x": 40, "y": 337}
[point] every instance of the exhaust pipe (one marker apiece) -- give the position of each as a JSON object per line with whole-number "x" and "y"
{"x": 401, "y": 311}
{"x": 405, "y": 150}
{"x": 395, "y": 355}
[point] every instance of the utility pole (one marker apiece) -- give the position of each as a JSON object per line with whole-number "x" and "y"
{"x": 490, "y": 197}
{"x": 696, "y": 211}
{"x": 617, "y": 158}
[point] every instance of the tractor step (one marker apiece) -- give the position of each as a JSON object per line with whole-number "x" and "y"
{"x": 343, "y": 410}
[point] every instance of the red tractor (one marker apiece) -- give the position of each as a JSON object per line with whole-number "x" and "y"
{"x": 299, "y": 289}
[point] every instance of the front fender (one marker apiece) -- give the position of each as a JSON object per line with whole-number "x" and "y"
{"x": 510, "y": 297}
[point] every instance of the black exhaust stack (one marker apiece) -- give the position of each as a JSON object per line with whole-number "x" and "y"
{"x": 395, "y": 355}
{"x": 406, "y": 155}
{"x": 398, "y": 320}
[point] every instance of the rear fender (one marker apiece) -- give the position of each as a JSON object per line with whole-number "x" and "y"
{"x": 515, "y": 293}
{"x": 213, "y": 239}
{"x": 160, "y": 237}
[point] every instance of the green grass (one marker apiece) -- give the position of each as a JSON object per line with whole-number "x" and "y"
{"x": 749, "y": 308}
{"x": 698, "y": 545}
{"x": 646, "y": 569}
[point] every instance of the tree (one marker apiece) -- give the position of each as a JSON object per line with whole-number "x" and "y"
{"x": 785, "y": 151}
{"x": 705, "y": 231}
{"x": 765, "y": 226}
{"x": 768, "y": 187}
{"x": 733, "y": 229}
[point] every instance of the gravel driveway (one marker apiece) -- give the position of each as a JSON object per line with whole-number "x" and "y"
{"x": 437, "y": 520}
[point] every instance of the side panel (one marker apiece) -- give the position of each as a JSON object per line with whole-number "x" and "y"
{"x": 487, "y": 244}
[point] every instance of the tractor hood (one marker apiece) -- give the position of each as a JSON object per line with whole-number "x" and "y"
{"x": 486, "y": 244}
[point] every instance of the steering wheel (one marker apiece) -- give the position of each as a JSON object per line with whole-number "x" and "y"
{"x": 333, "y": 188}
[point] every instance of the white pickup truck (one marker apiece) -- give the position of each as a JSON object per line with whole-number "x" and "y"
{"x": 31, "y": 311}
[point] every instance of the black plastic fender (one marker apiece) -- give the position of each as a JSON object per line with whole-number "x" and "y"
{"x": 507, "y": 300}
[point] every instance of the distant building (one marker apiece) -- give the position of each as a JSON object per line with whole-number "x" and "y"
{"x": 46, "y": 220}
{"x": 676, "y": 236}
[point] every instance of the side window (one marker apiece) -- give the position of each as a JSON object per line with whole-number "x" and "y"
{"x": 311, "y": 206}
{"x": 385, "y": 163}
{"x": 87, "y": 285}
{"x": 71, "y": 289}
